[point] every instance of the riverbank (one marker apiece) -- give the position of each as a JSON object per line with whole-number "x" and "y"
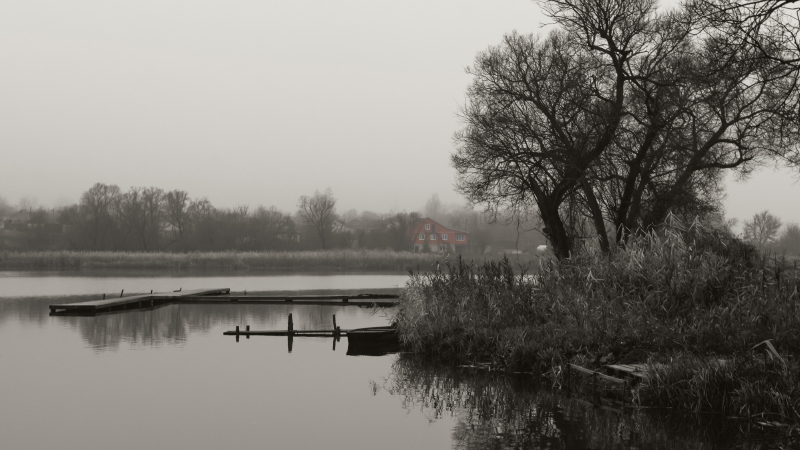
{"x": 362, "y": 260}
{"x": 681, "y": 299}
{"x": 339, "y": 259}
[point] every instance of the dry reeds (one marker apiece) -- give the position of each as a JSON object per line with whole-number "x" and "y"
{"x": 681, "y": 289}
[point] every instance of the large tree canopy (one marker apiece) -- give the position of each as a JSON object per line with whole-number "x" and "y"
{"x": 620, "y": 116}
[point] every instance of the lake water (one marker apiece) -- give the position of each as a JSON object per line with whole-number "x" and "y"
{"x": 168, "y": 378}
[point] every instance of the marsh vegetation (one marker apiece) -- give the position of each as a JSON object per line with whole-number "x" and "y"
{"x": 682, "y": 298}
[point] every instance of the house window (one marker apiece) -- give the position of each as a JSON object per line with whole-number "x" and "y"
{"x": 459, "y": 237}
{"x": 421, "y": 237}
{"x": 433, "y": 237}
{"x": 444, "y": 237}
{"x": 427, "y": 226}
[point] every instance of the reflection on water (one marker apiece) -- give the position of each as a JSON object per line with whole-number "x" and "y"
{"x": 501, "y": 411}
{"x": 168, "y": 378}
{"x": 171, "y": 324}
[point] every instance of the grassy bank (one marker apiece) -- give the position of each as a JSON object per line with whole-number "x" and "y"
{"x": 365, "y": 260}
{"x": 681, "y": 298}
{"x": 339, "y": 259}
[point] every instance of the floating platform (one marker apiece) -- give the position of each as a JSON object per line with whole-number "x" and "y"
{"x": 216, "y": 296}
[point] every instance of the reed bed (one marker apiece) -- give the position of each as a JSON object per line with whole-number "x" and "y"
{"x": 362, "y": 260}
{"x": 684, "y": 289}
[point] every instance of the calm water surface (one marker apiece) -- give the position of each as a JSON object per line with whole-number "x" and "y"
{"x": 168, "y": 378}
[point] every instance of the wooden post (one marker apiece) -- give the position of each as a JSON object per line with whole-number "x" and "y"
{"x": 120, "y": 293}
{"x": 569, "y": 379}
{"x": 248, "y": 331}
{"x": 624, "y": 388}
{"x": 237, "y": 333}
{"x": 291, "y": 338}
{"x": 334, "y": 322}
{"x": 291, "y": 325}
{"x": 151, "y": 291}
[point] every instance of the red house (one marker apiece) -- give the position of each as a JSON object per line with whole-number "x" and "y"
{"x": 438, "y": 237}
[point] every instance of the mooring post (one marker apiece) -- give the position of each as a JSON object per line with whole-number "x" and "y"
{"x": 624, "y": 388}
{"x": 237, "y": 333}
{"x": 291, "y": 325}
{"x": 290, "y": 342}
{"x": 569, "y": 379}
{"x": 248, "y": 331}
{"x": 151, "y": 291}
{"x": 334, "y": 322}
{"x": 120, "y": 293}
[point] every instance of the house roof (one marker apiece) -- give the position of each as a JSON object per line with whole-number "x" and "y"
{"x": 437, "y": 223}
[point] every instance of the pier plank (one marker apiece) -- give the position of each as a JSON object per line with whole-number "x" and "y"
{"x": 133, "y": 300}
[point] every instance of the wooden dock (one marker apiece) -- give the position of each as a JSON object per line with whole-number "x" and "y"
{"x": 132, "y": 302}
{"x": 215, "y": 296}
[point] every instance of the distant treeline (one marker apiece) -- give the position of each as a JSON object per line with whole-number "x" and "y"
{"x": 154, "y": 220}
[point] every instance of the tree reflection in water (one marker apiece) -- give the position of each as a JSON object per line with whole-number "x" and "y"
{"x": 512, "y": 411}
{"x": 171, "y": 324}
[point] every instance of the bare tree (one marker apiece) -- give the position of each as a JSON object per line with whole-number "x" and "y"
{"x": 176, "y": 204}
{"x": 97, "y": 204}
{"x": 319, "y": 212}
{"x": 434, "y": 208}
{"x": 621, "y": 117}
{"x": 762, "y": 229}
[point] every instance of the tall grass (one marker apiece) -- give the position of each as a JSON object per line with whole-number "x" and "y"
{"x": 368, "y": 260}
{"x": 683, "y": 289}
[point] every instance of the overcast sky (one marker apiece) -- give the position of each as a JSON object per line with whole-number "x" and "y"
{"x": 256, "y": 102}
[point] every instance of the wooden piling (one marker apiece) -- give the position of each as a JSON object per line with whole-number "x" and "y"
{"x": 568, "y": 371}
{"x": 120, "y": 293}
{"x": 624, "y": 388}
{"x": 248, "y": 331}
{"x": 291, "y": 325}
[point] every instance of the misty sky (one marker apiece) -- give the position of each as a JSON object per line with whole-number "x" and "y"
{"x": 256, "y": 102}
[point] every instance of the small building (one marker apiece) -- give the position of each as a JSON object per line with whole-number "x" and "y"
{"x": 438, "y": 238}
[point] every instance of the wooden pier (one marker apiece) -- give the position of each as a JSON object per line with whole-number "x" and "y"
{"x": 372, "y": 341}
{"x": 215, "y": 296}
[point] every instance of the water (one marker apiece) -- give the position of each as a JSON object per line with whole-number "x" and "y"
{"x": 168, "y": 378}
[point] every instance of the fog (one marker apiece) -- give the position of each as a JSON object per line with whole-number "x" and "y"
{"x": 256, "y": 102}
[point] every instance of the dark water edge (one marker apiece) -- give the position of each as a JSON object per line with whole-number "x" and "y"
{"x": 495, "y": 410}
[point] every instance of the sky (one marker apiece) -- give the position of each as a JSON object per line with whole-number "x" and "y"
{"x": 257, "y": 102}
